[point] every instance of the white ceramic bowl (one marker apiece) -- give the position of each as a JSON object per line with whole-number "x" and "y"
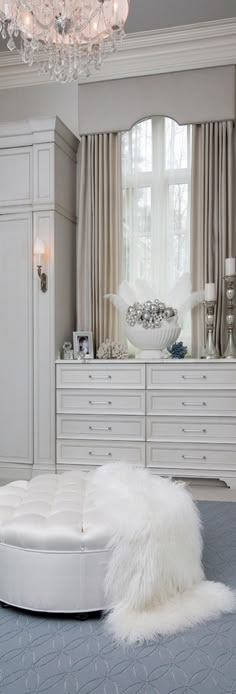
{"x": 153, "y": 341}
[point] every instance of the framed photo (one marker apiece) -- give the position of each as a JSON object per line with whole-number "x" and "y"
{"x": 83, "y": 344}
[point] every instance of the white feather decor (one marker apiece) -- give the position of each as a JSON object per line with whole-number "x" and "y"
{"x": 181, "y": 296}
{"x": 141, "y": 310}
{"x": 193, "y": 300}
{"x": 181, "y": 291}
{"x": 127, "y": 292}
{"x": 118, "y": 302}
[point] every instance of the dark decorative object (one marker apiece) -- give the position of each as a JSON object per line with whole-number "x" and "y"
{"x": 178, "y": 350}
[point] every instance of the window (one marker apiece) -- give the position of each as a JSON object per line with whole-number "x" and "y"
{"x": 156, "y": 170}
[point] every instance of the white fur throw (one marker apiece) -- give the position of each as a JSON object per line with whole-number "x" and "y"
{"x": 155, "y": 580}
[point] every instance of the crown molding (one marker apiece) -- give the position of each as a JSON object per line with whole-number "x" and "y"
{"x": 189, "y": 47}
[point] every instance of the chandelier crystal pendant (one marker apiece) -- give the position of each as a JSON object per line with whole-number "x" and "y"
{"x": 67, "y": 38}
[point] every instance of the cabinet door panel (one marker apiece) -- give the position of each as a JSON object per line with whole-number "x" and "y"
{"x": 16, "y": 339}
{"x": 15, "y": 176}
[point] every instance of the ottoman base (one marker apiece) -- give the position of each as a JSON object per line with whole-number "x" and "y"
{"x": 46, "y": 581}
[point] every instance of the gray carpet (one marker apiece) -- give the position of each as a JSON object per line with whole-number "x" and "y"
{"x": 66, "y": 656}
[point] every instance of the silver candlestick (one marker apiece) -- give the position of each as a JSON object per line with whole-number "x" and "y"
{"x": 230, "y": 352}
{"x": 210, "y": 351}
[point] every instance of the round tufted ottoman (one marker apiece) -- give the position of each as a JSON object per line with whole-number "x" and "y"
{"x": 53, "y": 554}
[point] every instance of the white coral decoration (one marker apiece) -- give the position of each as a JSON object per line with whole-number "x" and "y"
{"x": 112, "y": 350}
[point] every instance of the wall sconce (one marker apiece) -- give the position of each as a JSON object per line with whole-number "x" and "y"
{"x": 39, "y": 249}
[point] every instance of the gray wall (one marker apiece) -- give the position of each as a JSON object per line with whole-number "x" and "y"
{"x": 42, "y": 100}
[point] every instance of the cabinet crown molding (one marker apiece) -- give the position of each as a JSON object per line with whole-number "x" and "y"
{"x": 36, "y": 131}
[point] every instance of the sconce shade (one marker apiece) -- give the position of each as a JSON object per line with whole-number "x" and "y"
{"x": 39, "y": 247}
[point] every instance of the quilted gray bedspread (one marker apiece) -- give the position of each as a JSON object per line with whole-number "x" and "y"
{"x": 66, "y": 656}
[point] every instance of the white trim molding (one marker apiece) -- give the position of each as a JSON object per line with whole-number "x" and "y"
{"x": 189, "y": 47}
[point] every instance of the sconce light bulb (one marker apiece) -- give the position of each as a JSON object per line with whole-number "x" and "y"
{"x": 39, "y": 247}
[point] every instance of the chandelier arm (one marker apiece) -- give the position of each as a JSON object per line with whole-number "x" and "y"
{"x": 41, "y": 25}
{"x": 83, "y": 26}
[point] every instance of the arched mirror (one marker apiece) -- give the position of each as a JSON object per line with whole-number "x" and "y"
{"x": 156, "y": 194}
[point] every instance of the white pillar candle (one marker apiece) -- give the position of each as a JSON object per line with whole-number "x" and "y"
{"x": 229, "y": 266}
{"x": 210, "y": 291}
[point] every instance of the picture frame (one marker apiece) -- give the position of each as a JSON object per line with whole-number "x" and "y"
{"x": 83, "y": 344}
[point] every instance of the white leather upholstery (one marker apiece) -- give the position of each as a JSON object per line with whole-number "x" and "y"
{"x": 52, "y": 545}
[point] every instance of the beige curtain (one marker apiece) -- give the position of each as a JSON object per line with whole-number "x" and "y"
{"x": 98, "y": 239}
{"x": 212, "y": 218}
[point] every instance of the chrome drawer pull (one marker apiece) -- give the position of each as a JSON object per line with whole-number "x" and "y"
{"x": 100, "y": 455}
{"x": 194, "y": 404}
{"x": 100, "y": 402}
{"x": 194, "y": 431}
{"x": 194, "y": 378}
{"x": 100, "y": 428}
{"x": 194, "y": 457}
{"x": 99, "y": 378}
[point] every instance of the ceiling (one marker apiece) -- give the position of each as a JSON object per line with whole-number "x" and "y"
{"x": 149, "y": 15}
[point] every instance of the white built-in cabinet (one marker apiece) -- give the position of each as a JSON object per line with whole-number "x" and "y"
{"x": 37, "y": 199}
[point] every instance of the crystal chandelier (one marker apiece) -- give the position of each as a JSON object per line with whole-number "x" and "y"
{"x": 65, "y": 37}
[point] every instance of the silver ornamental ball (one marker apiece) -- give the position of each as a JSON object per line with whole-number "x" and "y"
{"x": 147, "y": 305}
{"x": 153, "y": 308}
{"x": 162, "y": 306}
{"x": 139, "y": 313}
{"x": 146, "y": 315}
{"x": 130, "y": 310}
{"x": 130, "y": 319}
{"x": 169, "y": 313}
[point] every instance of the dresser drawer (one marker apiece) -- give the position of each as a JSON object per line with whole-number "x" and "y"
{"x": 205, "y": 402}
{"x": 189, "y": 375}
{"x": 191, "y": 429}
{"x": 94, "y": 402}
{"x": 100, "y": 375}
{"x": 100, "y": 427}
{"x": 191, "y": 457}
{"x": 99, "y": 453}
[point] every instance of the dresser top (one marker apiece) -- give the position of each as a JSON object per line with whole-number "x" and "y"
{"x": 167, "y": 361}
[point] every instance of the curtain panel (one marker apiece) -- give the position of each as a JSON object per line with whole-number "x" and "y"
{"x": 212, "y": 219}
{"x": 99, "y": 235}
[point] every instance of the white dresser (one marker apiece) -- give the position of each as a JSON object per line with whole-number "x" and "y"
{"x": 176, "y": 417}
